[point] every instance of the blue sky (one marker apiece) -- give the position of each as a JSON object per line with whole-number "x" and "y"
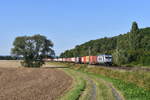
{"x": 69, "y": 22}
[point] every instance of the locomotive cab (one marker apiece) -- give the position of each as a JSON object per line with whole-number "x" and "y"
{"x": 104, "y": 59}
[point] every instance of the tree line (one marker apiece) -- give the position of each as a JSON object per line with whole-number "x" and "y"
{"x": 8, "y": 58}
{"x": 131, "y": 48}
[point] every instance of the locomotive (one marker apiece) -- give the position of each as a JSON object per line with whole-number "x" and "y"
{"x": 100, "y": 59}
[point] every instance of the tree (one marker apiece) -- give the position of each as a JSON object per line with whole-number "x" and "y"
{"x": 128, "y": 48}
{"x": 134, "y": 37}
{"x": 135, "y": 27}
{"x": 120, "y": 57}
{"x": 33, "y": 49}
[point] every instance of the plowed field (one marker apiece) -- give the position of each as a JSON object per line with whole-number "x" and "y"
{"x": 32, "y": 84}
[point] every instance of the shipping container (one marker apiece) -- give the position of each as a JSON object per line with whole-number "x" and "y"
{"x": 63, "y": 59}
{"x": 87, "y": 59}
{"x": 69, "y": 59}
{"x": 82, "y": 59}
{"x": 55, "y": 59}
{"x": 78, "y": 59}
{"x": 66, "y": 59}
{"x": 73, "y": 59}
{"x": 60, "y": 59}
{"x": 93, "y": 59}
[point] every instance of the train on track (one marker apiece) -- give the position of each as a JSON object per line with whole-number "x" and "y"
{"x": 100, "y": 59}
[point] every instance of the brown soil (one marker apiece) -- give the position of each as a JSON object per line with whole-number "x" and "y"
{"x": 10, "y": 63}
{"x": 32, "y": 84}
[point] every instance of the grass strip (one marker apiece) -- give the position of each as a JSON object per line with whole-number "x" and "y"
{"x": 129, "y": 90}
{"x": 94, "y": 86}
{"x": 78, "y": 86}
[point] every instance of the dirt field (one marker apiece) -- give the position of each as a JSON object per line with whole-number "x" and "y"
{"x": 9, "y": 64}
{"x": 32, "y": 84}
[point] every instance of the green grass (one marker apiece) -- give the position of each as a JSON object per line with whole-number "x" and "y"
{"x": 104, "y": 92}
{"x": 134, "y": 85}
{"x": 97, "y": 86}
{"x": 77, "y": 87}
{"x": 139, "y": 77}
{"x": 129, "y": 90}
{"x": 135, "y": 64}
{"x": 83, "y": 88}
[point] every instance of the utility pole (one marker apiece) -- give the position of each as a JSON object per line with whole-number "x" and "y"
{"x": 89, "y": 54}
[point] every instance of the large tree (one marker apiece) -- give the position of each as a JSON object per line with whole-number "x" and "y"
{"x": 134, "y": 37}
{"x": 135, "y": 27}
{"x": 33, "y": 49}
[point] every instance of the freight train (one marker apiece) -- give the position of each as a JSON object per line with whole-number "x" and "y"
{"x": 100, "y": 59}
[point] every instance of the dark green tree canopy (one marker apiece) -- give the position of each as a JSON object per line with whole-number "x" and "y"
{"x": 33, "y": 49}
{"x": 135, "y": 27}
{"x": 132, "y": 47}
{"x": 134, "y": 36}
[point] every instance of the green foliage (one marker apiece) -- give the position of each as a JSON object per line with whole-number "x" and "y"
{"x": 33, "y": 49}
{"x": 138, "y": 77}
{"x": 130, "y": 90}
{"x": 135, "y": 27}
{"x": 134, "y": 85}
{"x": 78, "y": 86}
{"x": 131, "y": 47}
{"x": 144, "y": 59}
{"x": 134, "y": 37}
{"x": 120, "y": 57}
{"x": 104, "y": 45}
{"x": 7, "y": 58}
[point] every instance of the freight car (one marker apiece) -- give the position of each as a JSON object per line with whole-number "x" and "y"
{"x": 100, "y": 59}
{"x": 93, "y": 60}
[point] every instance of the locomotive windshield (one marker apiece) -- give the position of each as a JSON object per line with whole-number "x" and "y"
{"x": 108, "y": 57}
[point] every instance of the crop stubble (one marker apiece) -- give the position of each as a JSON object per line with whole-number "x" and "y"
{"x": 32, "y": 83}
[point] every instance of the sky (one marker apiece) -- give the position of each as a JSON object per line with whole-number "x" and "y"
{"x": 69, "y": 22}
